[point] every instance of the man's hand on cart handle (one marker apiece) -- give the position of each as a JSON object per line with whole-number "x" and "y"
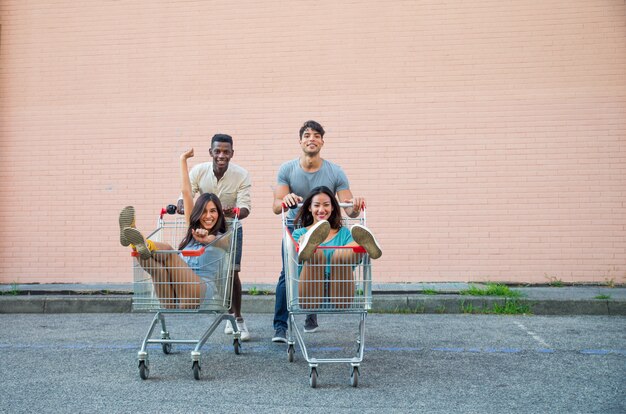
{"x": 232, "y": 212}
{"x": 180, "y": 206}
{"x": 291, "y": 200}
{"x": 358, "y": 204}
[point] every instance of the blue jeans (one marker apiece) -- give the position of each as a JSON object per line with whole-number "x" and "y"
{"x": 281, "y": 314}
{"x": 239, "y": 244}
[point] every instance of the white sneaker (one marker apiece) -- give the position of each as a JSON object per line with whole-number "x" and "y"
{"x": 243, "y": 329}
{"x": 312, "y": 238}
{"x": 228, "y": 328}
{"x": 364, "y": 238}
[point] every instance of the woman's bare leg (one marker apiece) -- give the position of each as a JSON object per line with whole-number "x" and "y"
{"x": 342, "y": 277}
{"x": 185, "y": 284}
{"x": 311, "y": 286}
{"x": 161, "y": 282}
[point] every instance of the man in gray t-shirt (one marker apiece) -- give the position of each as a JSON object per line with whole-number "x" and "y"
{"x": 300, "y": 182}
{"x": 296, "y": 178}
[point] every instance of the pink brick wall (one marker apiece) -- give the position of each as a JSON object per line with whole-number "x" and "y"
{"x": 489, "y": 137}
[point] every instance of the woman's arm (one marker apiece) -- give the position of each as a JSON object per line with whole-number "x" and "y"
{"x": 203, "y": 236}
{"x": 186, "y": 184}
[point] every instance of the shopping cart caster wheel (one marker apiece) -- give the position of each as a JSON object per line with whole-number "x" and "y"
{"x": 196, "y": 370}
{"x": 313, "y": 378}
{"x": 354, "y": 377}
{"x": 144, "y": 371}
{"x": 167, "y": 348}
{"x": 236, "y": 346}
{"x": 291, "y": 351}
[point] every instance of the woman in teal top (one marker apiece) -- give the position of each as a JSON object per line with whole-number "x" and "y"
{"x": 183, "y": 281}
{"x": 321, "y": 224}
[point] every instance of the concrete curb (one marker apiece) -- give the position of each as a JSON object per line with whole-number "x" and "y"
{"x": 381, "y": 303}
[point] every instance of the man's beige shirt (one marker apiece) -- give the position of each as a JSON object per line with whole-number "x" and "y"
{"x": 233, "y": 189}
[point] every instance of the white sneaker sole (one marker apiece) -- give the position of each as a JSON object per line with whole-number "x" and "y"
{"x": 127, "y": 219}
{"x": 366, "y": 239}
{"x": 316, "y": 235}
{"x": 136, "y": 239}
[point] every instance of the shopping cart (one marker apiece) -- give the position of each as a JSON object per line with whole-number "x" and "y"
{"x": 216, "y": 300}
{"x": 346, "y": 288}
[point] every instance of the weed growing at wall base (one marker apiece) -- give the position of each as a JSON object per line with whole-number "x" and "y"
{"x": 554, "y": 281}
{"x": 510, "y": 307}
{"x": 492, "y": 289}
{"x": 13, "y": 291}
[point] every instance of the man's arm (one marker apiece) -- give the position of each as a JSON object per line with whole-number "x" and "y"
{"x": 345, "y": 196}
{"x": 243, "y": 199}
{"x": 282, "y": 195}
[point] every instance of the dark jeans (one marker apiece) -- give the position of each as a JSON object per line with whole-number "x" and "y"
{"x": 281, "y": 314}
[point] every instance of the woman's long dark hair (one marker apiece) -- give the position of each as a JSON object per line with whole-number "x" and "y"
{"x": 196, "y": 215}
{"x": 304, "y": 217}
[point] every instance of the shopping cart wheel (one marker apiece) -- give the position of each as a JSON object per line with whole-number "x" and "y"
{"x": 291, "y": 351}
{"x": 236, "y": 346}
{"x": 354, "y": 377}
{"x": 196, "y": 370}
{"x": 167, "y": 348}
{"x": 144, "y": 372}
{"x": 313, "y": 377}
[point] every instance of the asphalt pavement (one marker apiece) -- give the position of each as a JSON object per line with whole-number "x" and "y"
{"x": 426, "y": 363}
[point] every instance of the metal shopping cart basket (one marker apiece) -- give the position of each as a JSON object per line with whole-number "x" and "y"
{"x": 346, "y": 288}
{"x": 152, "y": 293}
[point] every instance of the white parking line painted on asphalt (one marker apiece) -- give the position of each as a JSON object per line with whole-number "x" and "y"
{"x": 532, "y": 334}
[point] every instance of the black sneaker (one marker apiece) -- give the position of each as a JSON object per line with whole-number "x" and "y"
{"x": 310, "y": 324}
{"x": 280, "y": 335}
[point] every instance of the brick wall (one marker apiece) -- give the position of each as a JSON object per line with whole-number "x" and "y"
{"x": 489, "y": 137}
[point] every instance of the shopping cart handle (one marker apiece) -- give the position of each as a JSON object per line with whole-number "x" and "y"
{"x": 291, "y": 207}
{"x": 355, "y": 249}
{"x": 193, "y": 253}
{"x": 342, "y": 205}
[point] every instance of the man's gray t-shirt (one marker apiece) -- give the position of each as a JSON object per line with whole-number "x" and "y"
{"x": 301, "y": 182}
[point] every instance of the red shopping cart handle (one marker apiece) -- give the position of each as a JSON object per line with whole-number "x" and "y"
{"x": 193, "y": 253}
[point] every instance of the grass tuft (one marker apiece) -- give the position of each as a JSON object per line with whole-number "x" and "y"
{"x": 510, "y": 307}
{"x": 15, "y": 290}
{"x": 492, "y": 289}
{"x": 554, "y": 281}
